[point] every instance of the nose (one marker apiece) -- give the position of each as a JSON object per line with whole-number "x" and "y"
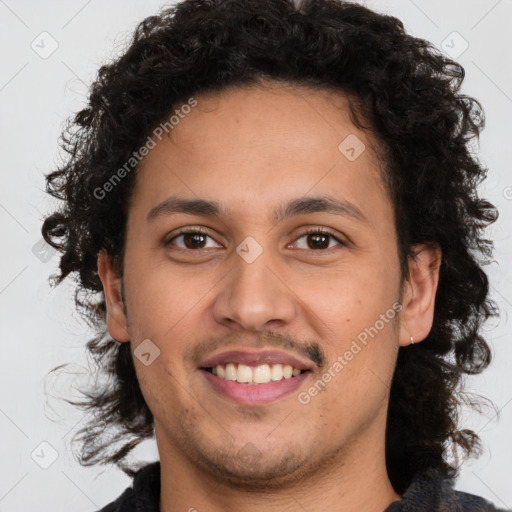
{"x": 254, "y": 296}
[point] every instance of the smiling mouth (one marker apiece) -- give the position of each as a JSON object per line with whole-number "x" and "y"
{"x": 261, "y": 374}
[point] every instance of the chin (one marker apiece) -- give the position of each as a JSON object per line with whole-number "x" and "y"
{"x": 250, "y": 469}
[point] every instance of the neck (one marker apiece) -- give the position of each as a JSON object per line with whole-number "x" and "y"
{"x": 350, "y": 482}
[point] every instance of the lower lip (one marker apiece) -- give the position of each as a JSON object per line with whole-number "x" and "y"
{"x": 254, "y": 393}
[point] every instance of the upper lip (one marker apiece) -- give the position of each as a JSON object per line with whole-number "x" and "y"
{"x": 252, "y": 358}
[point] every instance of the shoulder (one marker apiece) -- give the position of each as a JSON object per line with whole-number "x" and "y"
{"x": 471, "y": 502}
{"x": 122, "y": 503}
{"x": 432, "y": 492}
{"x": 144, "y": 494}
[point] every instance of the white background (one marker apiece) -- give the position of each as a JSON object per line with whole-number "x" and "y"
{"x": 39, "y": 328}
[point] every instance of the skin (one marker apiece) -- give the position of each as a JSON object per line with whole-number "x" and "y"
{"x": 254, "y": 148}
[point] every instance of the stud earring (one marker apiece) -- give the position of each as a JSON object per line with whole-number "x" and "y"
{"x": 412, "y": 340}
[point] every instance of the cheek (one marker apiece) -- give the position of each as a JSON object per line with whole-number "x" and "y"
{"x": 357, "y": 323}
{"x": 161, "y": 297}
{"x": 351, "y": 299}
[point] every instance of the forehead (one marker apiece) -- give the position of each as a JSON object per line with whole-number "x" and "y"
{"x": 271, "y": 115}
{"x": 256, "y": 143}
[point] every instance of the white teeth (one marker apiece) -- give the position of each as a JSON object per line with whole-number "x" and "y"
{"x": 244, "y": 373}
{"x": 261, "y": 374}
{"x": 277, "y": 372}
{"x": 230, "y": 371}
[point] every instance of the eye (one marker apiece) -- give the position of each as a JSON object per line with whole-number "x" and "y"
{"x": 318, "y": 241}
{"x": 194, "y": 238}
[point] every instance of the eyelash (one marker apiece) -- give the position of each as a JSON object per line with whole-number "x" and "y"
{"x": 311, "y": 231}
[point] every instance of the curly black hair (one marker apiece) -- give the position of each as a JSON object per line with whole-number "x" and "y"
{"x": 404, "y": 90}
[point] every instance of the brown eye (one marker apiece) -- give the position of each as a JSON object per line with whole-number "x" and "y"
{"x": 191, "y": 239}
{"x": 319, "y": 239}
{"x": 194, "y": 240}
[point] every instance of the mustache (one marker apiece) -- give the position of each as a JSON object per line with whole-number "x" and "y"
{"x": 309, "y": 349}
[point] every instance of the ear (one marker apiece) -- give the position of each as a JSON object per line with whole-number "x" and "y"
{"x": 419, "y": 294}
{"x": 117, "y": 324}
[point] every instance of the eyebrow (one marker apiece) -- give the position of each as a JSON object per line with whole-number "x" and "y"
{"x": 299, "y": 206}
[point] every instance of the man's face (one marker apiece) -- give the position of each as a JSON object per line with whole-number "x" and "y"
{"x": 262, "y": 287}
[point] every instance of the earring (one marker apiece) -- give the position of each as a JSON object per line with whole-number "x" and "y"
{"x": 412, "y": 340}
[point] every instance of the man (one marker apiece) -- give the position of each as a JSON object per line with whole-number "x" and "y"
{"x": 272, "y": 210}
